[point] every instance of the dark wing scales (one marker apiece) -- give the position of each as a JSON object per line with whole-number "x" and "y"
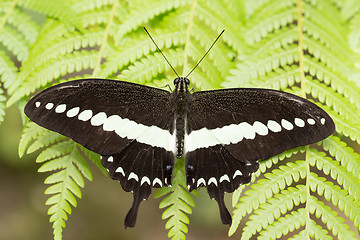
{"x": 259, "y": 123}
{"x": 219, "y": 171}
{"x": 139, "y": 167}
{"x": 131, "y": 101}
{"x": 107, "y": 117}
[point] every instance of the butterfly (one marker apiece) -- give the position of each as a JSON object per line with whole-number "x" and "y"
{"x": 140, "y": 131}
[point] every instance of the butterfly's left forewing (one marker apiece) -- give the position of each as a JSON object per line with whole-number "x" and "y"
{"x": 229, "y": 130}
{"x": 130, "y": 125}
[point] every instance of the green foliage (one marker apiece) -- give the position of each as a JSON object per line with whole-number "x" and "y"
{"x": 178, "y": 201}
{"x": 309, "y": 47}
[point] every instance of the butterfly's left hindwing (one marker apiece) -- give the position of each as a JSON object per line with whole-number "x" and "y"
{"x": 130, "y": 125}
{"x": 140, "y": 167}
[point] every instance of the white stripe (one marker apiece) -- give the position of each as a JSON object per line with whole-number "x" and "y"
{"x": 60, "y": 108}
{"x": 85, "y": 115}
{"x": 200, "y": 181}
{"x": 212, "y": 180}
{"x": 286, "y": 124}
{"x": 230, "y": 134}
{"x": 120, "y": 170}
{"x": 311, "y": 121}
{"x": 247, "y": 130}
{"x": 49, "y": 106}
{"x": 227, "y": 135}
{"x": 237, "y": 173}
{"x": 224, "y": 177}
{"x": 200, "y": 139}
{"x": 133, "y": 176}
{"x": 273, "y": 126}
{"x": 129, "y": 129}
{"x": 145, "y": 180}
{"x": 157, "y": 180}
{"x": 322, "y": 120}
{"x": 260, "y": 128}
{"x": 73, "y": 112}
{"x": 299, "y": 122}
{"x": 98, "y": 119}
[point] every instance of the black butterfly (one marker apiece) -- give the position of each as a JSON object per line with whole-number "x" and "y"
{"x": 140, "y": 130}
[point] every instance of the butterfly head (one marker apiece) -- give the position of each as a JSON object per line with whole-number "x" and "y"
{"x": 181, "y": 84}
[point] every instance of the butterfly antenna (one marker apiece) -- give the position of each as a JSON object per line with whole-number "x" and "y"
{"x": 160, "y": 51}
{"x": 205, "y": 53}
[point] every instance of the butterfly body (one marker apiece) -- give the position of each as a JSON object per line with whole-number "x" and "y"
{"x": 140, "y": 131}
{"x": 182, "y": 96}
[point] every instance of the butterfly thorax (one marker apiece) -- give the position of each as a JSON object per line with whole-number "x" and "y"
{"x": 181, "y": 95}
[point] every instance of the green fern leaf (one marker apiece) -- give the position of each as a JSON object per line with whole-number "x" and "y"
{"x": 339, "y": 228}
{"x": 55, "y": 8}
{"x": 64, "y": 183}
{"x": 178, "y": 202}
{"x": 344, "y": 154}
{"x": 264, "y": 188}
{"x": 284, "y": 225}
{"x": 31, "y": 132}
{"x": 276, "y": 206}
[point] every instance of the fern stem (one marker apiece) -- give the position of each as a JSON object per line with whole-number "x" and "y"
{"x": 188, "y": 34}
{"x": 104, "y": 41}
{"x": 7, "y": 15}
{"x": 303, "y": 94}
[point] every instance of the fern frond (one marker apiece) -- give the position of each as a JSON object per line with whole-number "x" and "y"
{"x": 56, "y": 50}
{"x": 345, "y": 126}
{"x": 143, "y": 12}
{"x": 284, "y": 225}
{"x": 331, "y": 219}
{"x": 55, "y": 8}
{"x": 265, "y": 188}
{"x": 217, "y": 16}
{"x": 14, "y": 43}
{"x": 177, "y": 202}
{"x": 64, "y": 183}
{"x": 344, "y": 154}
{"x": 261, "y": 29}
{"x": 45, "y": 139}
{"x": 263, "y": 65}
{"x": 70, "y": 63}
{"x": 332, "y": 99}
{"x": 95, "y": 158}
{"x": 8, "y": 70}
{"x": 338, "y": 83}
{"x": 148, "y": 68}
{"x": 137, "y": 48}
{"x": 30, "y": 133}
{"x": 315, "y": 231}
{"x": 339, "y": 173}
{"x": 339, "y": 197}
{"x": 267, "y": 213}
